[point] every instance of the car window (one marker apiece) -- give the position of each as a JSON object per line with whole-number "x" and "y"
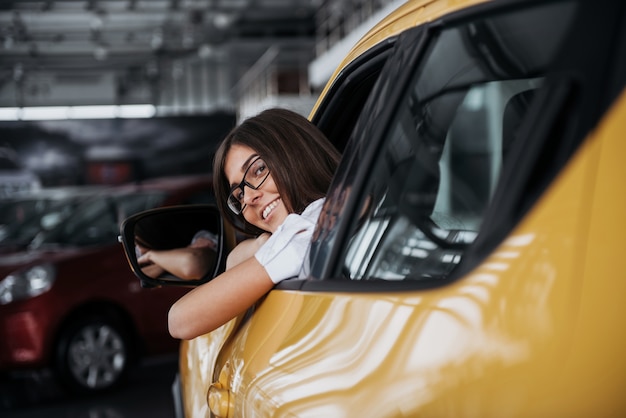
{"x": 97, "y": 221}
{"x": 130, "y": 204}
{"x": 339, "y": 111}
{"x": 200, "y": 197}
{"x": 22, "y": 219}
{"x": 427, "y": 190}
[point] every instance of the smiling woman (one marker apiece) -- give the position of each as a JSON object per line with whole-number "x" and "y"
{"x": 464, "y": 261}
{"x": 270, "y": 176}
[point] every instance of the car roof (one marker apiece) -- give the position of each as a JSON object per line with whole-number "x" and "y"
{"x": 402, "y": 18}
{"x": 169, "y": 183}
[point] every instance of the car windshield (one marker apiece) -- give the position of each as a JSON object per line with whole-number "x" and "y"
{"x": 97, "y": 221}
{"x": 22, "y": 218}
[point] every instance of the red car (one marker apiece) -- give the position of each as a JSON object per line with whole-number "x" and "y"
{"x": 71, "y": 304}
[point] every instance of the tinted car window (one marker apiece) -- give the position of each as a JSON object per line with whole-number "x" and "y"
{"x": 22, "y": 219}
{"x": 446, "y": 146}
{"x": 97, "y": 221}
{"x": 201, "y": 197}
{"x": 343, "y": 103}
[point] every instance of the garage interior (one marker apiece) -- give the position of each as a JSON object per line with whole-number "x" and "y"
{"x": 178, "y": 57}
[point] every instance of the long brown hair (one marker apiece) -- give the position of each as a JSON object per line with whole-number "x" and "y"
{"x": 302, "y": 161}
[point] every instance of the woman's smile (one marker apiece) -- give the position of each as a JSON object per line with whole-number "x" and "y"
{"x": 269, "y": 208}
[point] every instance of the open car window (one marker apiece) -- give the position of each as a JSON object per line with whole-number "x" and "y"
{"x": 427, "y": 190}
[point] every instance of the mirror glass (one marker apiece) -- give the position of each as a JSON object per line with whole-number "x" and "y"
{"x": 175, "y": 245}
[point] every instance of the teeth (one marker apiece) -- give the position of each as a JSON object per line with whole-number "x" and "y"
{"x": 269, "y": 208}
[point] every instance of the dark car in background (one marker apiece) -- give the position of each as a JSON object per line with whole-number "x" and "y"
{"x": 25, "y": 214}
{"x": 13, "y": 177}
{"x": 70, "y": 304}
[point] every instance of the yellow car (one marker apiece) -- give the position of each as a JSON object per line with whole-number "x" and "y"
{"x": 465, "y": 260}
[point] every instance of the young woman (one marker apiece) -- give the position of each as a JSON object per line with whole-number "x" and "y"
{"x": 270, "y": 176}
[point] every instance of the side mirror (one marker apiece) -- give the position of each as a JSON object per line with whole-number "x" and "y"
{"x": 174, "y": 228}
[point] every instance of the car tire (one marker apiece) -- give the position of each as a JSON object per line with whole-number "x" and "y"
{"x": 93, "y": 354}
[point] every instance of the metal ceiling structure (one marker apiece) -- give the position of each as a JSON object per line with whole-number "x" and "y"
{"x": 131, "y": 39}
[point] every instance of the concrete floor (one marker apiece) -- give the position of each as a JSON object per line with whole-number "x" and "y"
{"x": 146, "y": 394}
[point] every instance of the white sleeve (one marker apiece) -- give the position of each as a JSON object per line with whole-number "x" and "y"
{"x": 283, "y": 253}
{"x": 203, "y": 233}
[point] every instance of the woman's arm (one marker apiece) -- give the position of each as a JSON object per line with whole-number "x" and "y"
{"x": 187, "y": 263}
{"x": 214, "y": 303}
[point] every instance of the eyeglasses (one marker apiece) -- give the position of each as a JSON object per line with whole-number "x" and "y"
{"x": 254, "y": 176}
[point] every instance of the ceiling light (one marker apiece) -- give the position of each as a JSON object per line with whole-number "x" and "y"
{"x": 101, "y": 52}
{"x": 77, "y": 112}
{"x": 222, "y": 20}
{"x": 206, "y": 51}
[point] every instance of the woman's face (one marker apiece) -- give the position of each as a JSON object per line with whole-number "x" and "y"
{"x": 264, "y": 207}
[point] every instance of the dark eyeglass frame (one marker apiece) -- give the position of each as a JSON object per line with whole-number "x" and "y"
{"x": 233, "y": 203}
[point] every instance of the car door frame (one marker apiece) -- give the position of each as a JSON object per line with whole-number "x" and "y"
{"x": 548, "y": 117}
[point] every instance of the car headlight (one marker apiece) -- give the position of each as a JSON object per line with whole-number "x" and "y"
{"x": 27, "y": 283}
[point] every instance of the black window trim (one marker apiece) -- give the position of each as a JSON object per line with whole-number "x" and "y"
{"x": 333, "y": 106}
